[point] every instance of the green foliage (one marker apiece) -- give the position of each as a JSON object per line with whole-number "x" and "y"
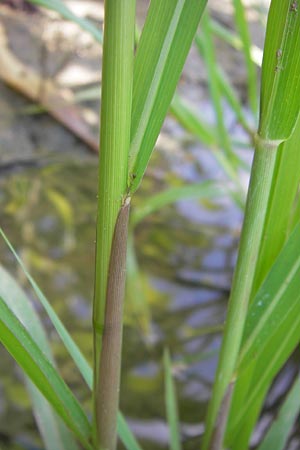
{"x": 60, "y": 7}
{"x": 40, "y": 371}
{"x": 163, "y": 47}
{"x": 279, "y": 431}
{"x": 54, "y": 433}
{"x": 171, "y": 404}
{"x": 208, "y": 51}
{"x": 235, "y": 41}
{"x": 272, "y": 331}
{"x": 243, "y": 30}
{"x": 282, "y": 206}
{"x": 129, "y": 129}
{"x": 69, "y": 343}
{"x": 126, "y": 435}
{"x": 21, "y": 307}
{"x": 192, "y": 122}
{"x": 206, "y": 189}
{"x": 278, "y": 118}
{"x": 280, "y": 83}
{"x": 262, "y": 327}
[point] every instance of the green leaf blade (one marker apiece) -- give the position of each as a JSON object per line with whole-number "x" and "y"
{"x": 206, "y": 47}
{"x": 206, "y": 189}
{"x": 192, "y": 122}
{"x": 59, "y": 7}
{"x": 280, "y": 86}
{"x": 171, "y": 404}
{"x": 164, "y": 44}
{"x": 37, "y": 367}
{"x": 243, "y": 29}
{"x": 124, "y": 431}
{"x": 126, "y": 435}
{"x": 276, "y": 297}
{"x": 278, "y": 433}
{"x": 272, "y": 332}
{"x": 69, "y": 343}
{"x": 53, "y": 431}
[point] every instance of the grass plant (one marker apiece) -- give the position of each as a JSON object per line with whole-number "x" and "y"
{"x": 262, "y": 325}
{"x": 279, "y": 111}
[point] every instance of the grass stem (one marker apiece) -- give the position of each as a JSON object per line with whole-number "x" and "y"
{"x": 255, "y": 217}
{"x": 117, "y": 75}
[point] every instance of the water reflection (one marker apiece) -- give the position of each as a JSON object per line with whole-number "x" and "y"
{"x": 180, "y": 271}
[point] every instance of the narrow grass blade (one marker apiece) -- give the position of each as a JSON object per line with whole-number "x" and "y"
{"x": 272, "y": 305}
{"x": 41, "y": 372}
{"x": 55, "y": 435}
{"x": 229, "y": 159}
{"x": 192, "y": 122}
{"x": 295, "y": 212}
{"x": 53, "y": 431}
{"x": 206, "y": 189}
{"x": 171, "y": 404}
{"x": 164, "y": 44}
{"x": 206, "y": 47}
{"x": 69, "y": 343}
{"x": 279, "y": 431}
{"x": 60, "y": 7}
{"x": 243, "y": 29}
{"x": 272, "y": 331}
{"x": 235, "y": 41}
{"x": 207, "y": 134}
{"x": 220, "y": 83}
{"x": 126, "y": 435}
{"x": 233, "y": 100}
{"x": 262, "y": 179}
{"x": 280, "y": 91}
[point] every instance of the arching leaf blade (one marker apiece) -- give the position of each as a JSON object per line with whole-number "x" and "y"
{"x": 53, "y": 431}
{"x": 163, "y": 47}
{"x": 60, "y": 7}
{"x": 206, "y": 189}
{"x": 41, "y": 372}
{"x": 272, "y": 332}
{"x": 279, "y": 431}
{"x": 55, "y": 435}
{"x": 171, "y": 404}
{"x": 126, "y": 434}
{"x": 66, "y": 338}
{"x": 244, "y": 33}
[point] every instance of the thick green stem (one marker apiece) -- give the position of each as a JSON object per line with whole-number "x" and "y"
{"x": 117, "y": 74}
{"x": 255, "y": 216}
